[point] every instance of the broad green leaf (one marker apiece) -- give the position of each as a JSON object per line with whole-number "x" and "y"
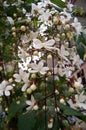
{"x": 67, "y": 111}
{"x": 81, "y": 50}
{"x": 16, "y": 108}
{"x": 59, "y": 3}
{"x": 27, "y": 121}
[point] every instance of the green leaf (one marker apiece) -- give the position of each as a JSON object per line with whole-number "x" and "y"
{"x": 15, "y": 108}
{"x": 27, "y": 121}
{"x": 67, "y": 111}
{"x": 81, "y": 50}
{"x": 59, "y": 3}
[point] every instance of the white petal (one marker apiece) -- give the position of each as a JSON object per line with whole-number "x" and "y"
{"x": 37, "y": 44}
{"x": 33, "y": 71}
{"x": 44, "y": 69}
{"x": 28, "y": 102}
{"x": 7, "y": 93}
{"x": 21, "y": 72}
{"x": 24, "y": 87}
{"x": 40, "y": 64}
{"x": 50, "y": 42}
{"x": 9, "y": 87}
{"x": 82, "y": 105}
{"x": 4, "y": 84}
{"x": 32, "y": 99}
{"x": 10, "y": 20}
{"x": 17, "y": 76}
{"x": 1, "y": 92}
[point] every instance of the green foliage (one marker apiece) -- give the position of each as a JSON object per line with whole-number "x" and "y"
{"x": 81, "y": 44}
{"x": 27, "y": 121}
{"x": 59, "y": 3}
{"x": 15, "y": 108}
{"x": 67, "y": 111}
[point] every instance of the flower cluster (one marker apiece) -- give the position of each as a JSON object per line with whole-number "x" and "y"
{"x": 44, "y": 59}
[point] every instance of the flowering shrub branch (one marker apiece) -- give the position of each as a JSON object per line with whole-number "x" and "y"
{"x": 39, "y": 58}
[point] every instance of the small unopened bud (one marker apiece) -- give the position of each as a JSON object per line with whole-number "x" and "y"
{"x": 14, "y": 34}
{"x": 49, "y": 73}
{"x": 71, "y": 90}
{"x": 13, "y": 29}
{"x": 33, "y": 76}
{"x": 18, "y": 102}
{"x": 62, "y": 101}
{"x": 10, "y": 80}
{"x": 57, "y": 109}
{"x": 15, "y": 15}
{"x": 6, "y": 109}
{"x": 49, "y": 57}
{"x": 29, "y": 90}
{"x": 23, "y": 28}
{"x": 50, "y": 125}
{"x": 36, "y": 107}
{"x": 33, "y": 87}
{"x": 0, "y": 68}
{"x": 77, "y": 85}
{"x": 56, "y": 92}
{"x": 44, "y": 108}
{"x": 35, "y": 53}
{"x": 67, "y": 27}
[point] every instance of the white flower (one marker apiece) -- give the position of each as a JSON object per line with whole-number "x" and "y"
{"x": 78, "y": 84}
{"x": 22, "y": 54}
{"x": 76, "y": 59}
{"x": 30, "y": 103}
{"x": 63, "y": 53}
{"x": 70, "y": 6}
{"x": 21, "y": 76}
{"x": 37, "y": 9}
{"x": 33, "y": 35}
{"x": 5, "y": 88}
{"x": 37, "y": 44}
{"x": 77, "y": 25}
{"x": 44, "y": 16}
{"x": 24, "y": 39}
{"x": 39, "y": 68}
{"x": 25, "y": 86}
{"x": 11, "y": 21}
{"x": 65, "y": 17}
{"x": 33, "y": 87}
{"x": 5, "y": 4}
{"x": 80, "y": 100}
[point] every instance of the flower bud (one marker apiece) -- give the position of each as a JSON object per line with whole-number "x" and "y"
{"x": 56, "y": 92}
{"x": 35, "y": 53}
{"x": 49, "y": 57}
{"x": 36, "y": 107}
{"x": 29, "y": 90}
{"x": 67, "y": 27}
{"x": 62, "y": 101}
{"x": 33, "y": 87}
{"x": 57, "y": 109}
{"x": 14, "y": 34}
{"x": 77, "y": 85}
{"x": 33, "y": 76}
{"x": 18, "y": 102}
{"x": 10, "y": 80}
{"x": 44, "y": 108}
{"x": 15, "y": 15}
{"x": 13, "y": 29}
{"x": 71, "y": 90}
{"x": 23, "y": 28}
{"x": 50, "y": 125}
{"x": 0, "y": 68}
